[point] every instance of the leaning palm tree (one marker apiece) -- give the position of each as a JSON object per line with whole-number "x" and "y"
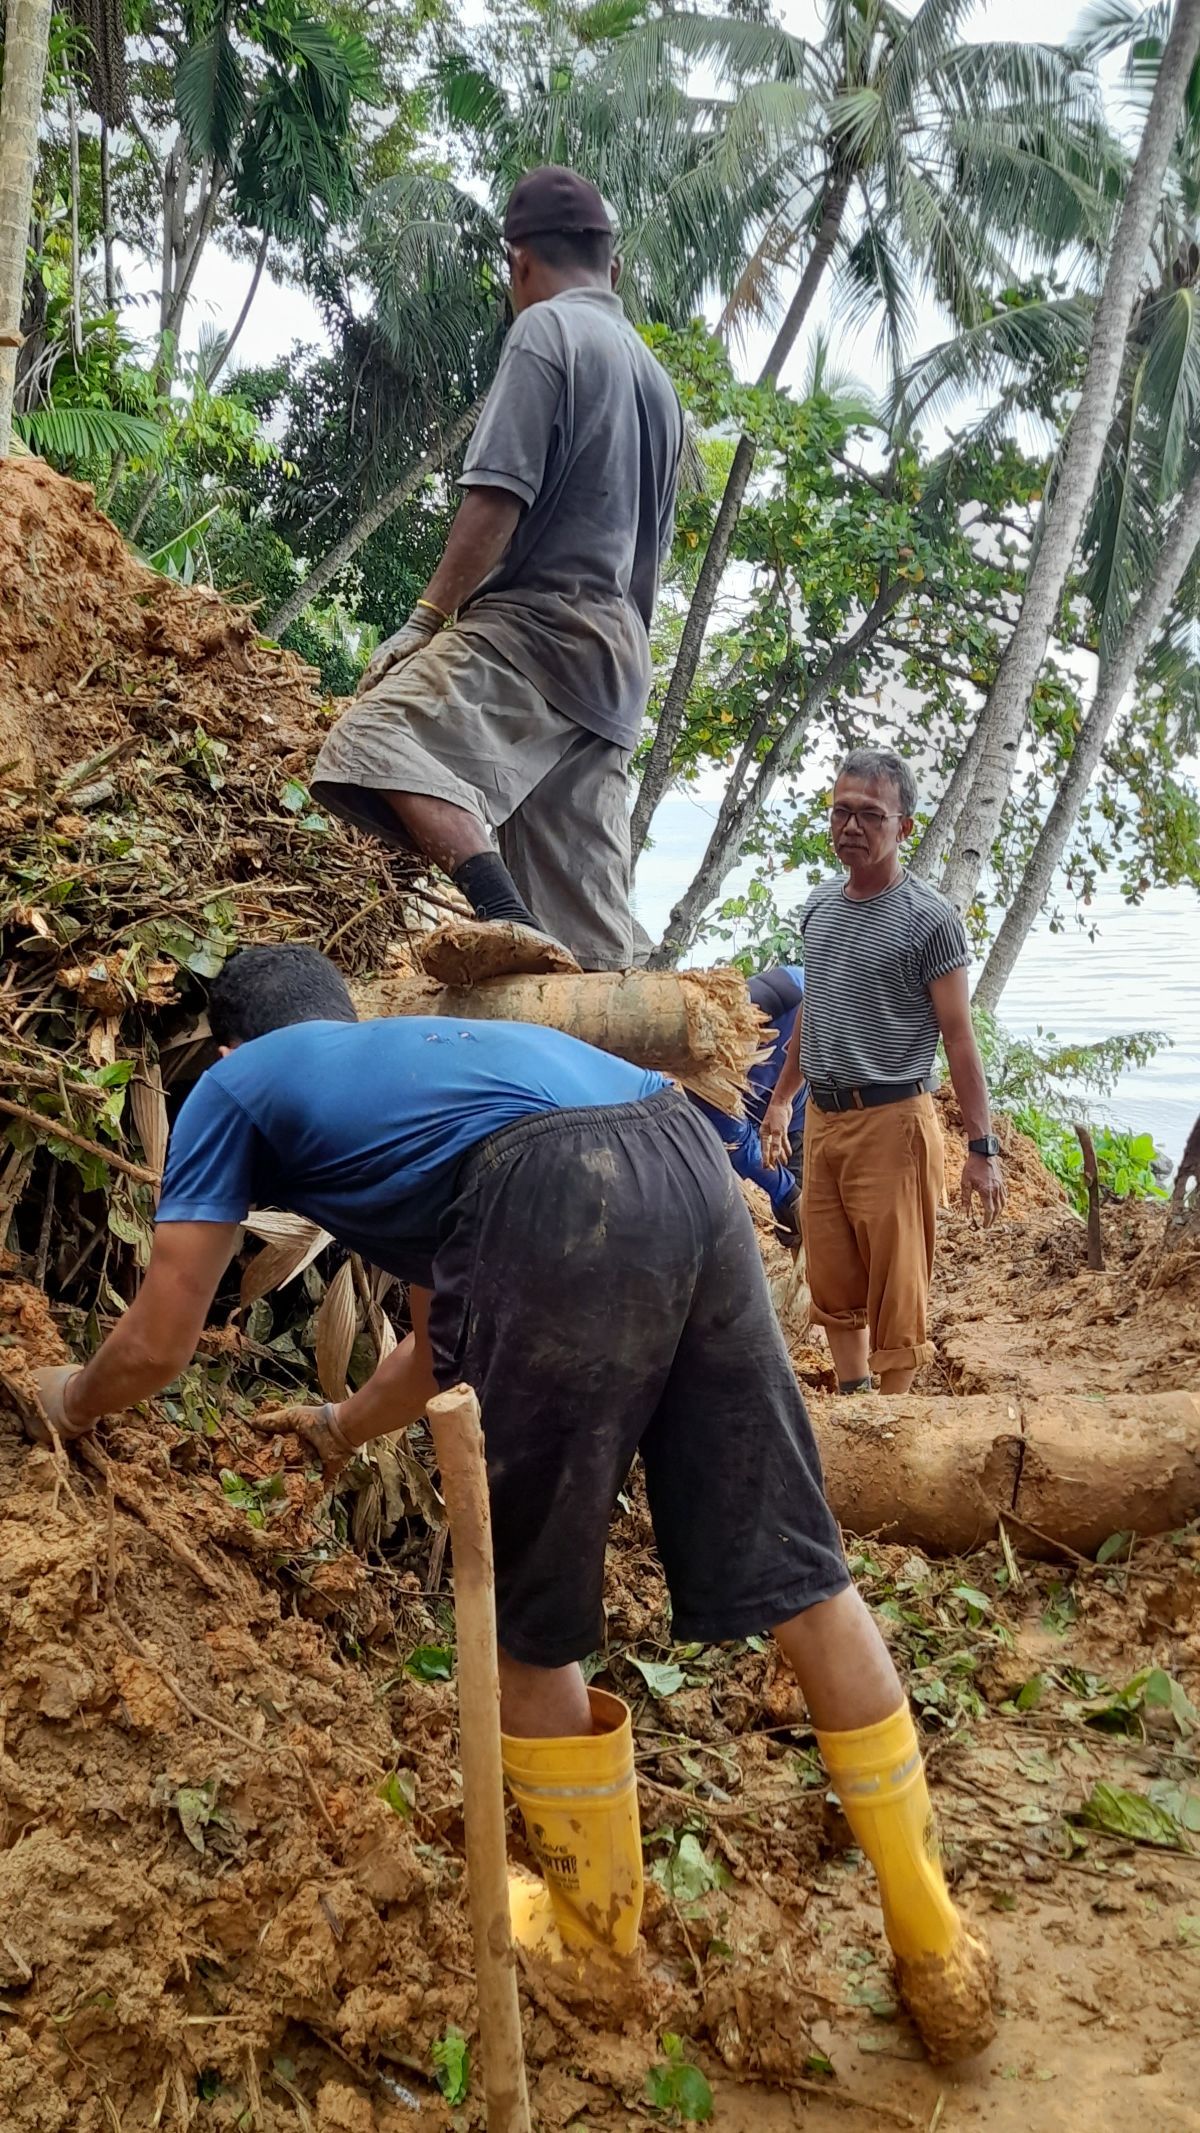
{"x": 1065, "y": 513}
{"x": 919, "y": 166}
{"x": 26, "y": 42}
{"x": 1117, "y": 671}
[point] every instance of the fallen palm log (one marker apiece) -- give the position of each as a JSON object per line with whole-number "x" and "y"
{"x": 699, "y": 1026}
{"x": 941, "y": 1474}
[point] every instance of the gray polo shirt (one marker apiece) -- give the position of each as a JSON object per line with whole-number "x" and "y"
{"x": 583, "y": 424}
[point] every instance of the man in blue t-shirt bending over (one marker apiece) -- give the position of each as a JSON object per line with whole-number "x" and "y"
{"x": 578, "y": 1251}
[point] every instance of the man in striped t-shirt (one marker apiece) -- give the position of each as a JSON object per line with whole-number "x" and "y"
{"x": 885, "y": 973}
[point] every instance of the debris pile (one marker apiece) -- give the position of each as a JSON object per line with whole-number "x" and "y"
{"x": 153, "y": 815}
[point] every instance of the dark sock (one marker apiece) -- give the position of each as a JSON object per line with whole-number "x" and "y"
{"x": 855, "y": 1385}
{"x": 491, "y": 891}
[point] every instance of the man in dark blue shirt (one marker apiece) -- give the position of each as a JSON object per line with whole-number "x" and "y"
{"x": 577, "y": 1251}
{"x": 778, "y": 993}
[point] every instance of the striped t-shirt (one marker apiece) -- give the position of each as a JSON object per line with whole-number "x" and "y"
{"x": 868, "y": 967}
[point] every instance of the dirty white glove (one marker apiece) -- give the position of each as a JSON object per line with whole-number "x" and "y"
{"x": 316, "y": 1427}
{"x": 51, "y": 1382}
{"x": 423, "y": 624}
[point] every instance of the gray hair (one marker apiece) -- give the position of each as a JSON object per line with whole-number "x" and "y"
{"x": 878, "y": 765}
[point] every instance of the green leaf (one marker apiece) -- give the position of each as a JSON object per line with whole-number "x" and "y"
{"x": 1030, "y": 1694}
{"x": 66, "y": 432}
{"x": 675, "y": 2085}
{"x": 977, "y": 1601}
{"x": 452, "y": 2066}
{"x": 1116, "y": 1545}
{"x": 1121, "y": 1813}
{"x": 194, "y": 1804}
{"x": 686, "y": 1873}
{"x": 431, "y": 1662}
{"x": 662, "y": 1679}
{"x": 210, "y": 96}
{"x": 294, "y": 797}
{"x": 399, "y": 1789}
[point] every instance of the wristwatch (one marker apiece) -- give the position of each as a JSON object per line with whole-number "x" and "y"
{"x": 987, "y": 1144}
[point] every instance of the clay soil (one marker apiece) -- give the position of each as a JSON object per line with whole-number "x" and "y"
{"x": 210, "y": 1914}
{"x": 231, "y": 1847}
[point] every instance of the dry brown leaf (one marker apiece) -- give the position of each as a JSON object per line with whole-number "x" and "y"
{"x": 292, "y": 1248}
{"x": 278, "y": 1225}
{"x": 337, "y": 1323}
{"x": 383, "y": 1332}
{"x": 149, "y": 1107}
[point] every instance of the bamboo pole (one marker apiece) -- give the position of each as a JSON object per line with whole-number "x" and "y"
{"x": 458, "y": 1442}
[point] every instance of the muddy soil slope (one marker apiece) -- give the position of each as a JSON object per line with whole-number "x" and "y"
{"x": 231, "y": 1878}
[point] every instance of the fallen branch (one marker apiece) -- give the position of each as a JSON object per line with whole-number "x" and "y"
{"x": 54, "y": 1129}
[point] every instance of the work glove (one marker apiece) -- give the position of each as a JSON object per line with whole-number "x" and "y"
{"x": 51, "y": 1383}
{"x": 317, "y": 1428}
{"x": 423, "y": 624}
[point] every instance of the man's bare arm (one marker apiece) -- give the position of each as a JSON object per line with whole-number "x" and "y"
{"x": 158, "y": 1334}
{"x": 774, "y": 1133}
{"x": 479, "y": 539}
{"x": 982, "y": 1175}
{"x": 402, "y": 1387}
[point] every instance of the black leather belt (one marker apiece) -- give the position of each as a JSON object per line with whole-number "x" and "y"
{"x": 866, "y": 1097}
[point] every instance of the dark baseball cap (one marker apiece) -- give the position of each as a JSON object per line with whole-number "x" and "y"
{"x": 554, "y": 202}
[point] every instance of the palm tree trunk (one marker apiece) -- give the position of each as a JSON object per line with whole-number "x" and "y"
{"x": 227, "y": 346}
{"x": 73, "y": 210}
{"x": 930, "y": 854}
{"x": 743, "y": 803}
{"x": 106, "y": 217}
{"x": 1063, "y": 515}
{"x": 1115, "y": 677}
{"x": 370, "y": 520}
{"x": 657, "y": 774}
{"x": 26, "y": 38}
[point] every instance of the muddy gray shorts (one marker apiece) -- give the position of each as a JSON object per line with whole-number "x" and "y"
{"x": 597, "y": 1280}
{"x": 456, "y": 722}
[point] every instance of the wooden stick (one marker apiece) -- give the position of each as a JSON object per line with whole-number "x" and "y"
{"x": 55, "y": 1130}
{"x": 1091, "y": 1178}
{"x": 458, "y": 1442}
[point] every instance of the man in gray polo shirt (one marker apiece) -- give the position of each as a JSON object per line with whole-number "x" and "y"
{"x": 511, "y": 700}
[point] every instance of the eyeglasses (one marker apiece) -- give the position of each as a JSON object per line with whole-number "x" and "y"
{"x": 867, "y": 818}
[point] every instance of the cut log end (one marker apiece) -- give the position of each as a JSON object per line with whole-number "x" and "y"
{"x": 470, "y": 951}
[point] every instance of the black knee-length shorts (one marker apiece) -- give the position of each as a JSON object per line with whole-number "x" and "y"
{"x": 598, "y": 1282}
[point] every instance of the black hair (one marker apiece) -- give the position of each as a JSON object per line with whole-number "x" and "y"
{"x": 262, "y": 989}
{"x": 563, "y": 249}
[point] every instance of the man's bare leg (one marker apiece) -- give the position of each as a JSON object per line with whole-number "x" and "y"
{"x": 459, "y": 843}
{"x": 849, "y": 1347}
{"x": 896, "y": 1381}
{"x": 543, "y": 1702}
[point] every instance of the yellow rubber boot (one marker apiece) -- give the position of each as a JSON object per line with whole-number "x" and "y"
{"x": 579, "y": 1801}
{"x": 945, "y": 1972}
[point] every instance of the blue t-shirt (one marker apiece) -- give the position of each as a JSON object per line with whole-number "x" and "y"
{"x": 362, "y": 1126}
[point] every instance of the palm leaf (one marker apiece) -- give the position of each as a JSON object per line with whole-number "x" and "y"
{"x": 210, "y": 96}
{"x": 80, "y": 433}
{"x": 1050, "y": 333}
{"x": 1172, "y": 383}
